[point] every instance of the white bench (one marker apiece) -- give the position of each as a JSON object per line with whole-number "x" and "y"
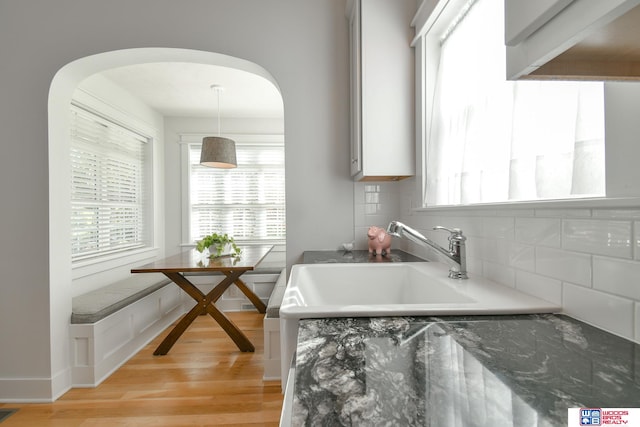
{"x": 111, "y": 324}
{"x": 271, "y": 328}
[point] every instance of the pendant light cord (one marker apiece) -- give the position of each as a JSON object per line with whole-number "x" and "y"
{"x": 218, "y": 90}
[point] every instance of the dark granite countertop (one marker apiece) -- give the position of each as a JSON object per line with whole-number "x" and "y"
{"x": 488, "y": 371}
{"x": 357, "y": 256}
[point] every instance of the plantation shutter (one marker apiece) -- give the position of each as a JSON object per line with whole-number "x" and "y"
{"x": 247, "y": 202}
{"x": 107, "y": 187}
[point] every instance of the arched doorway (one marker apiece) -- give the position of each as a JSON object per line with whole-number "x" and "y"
{"x": 61, "y": 93}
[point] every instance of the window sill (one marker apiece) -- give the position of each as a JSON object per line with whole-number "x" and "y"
{"x": 592, "y": 203}
{"x": 245, "y": 243}
{"x": 97, "y": 265}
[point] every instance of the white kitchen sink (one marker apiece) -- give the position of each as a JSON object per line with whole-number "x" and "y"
{"x": 391, "y": 289}
{"x": 404, "y": 289}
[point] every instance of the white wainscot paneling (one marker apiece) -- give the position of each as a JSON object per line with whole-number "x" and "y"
{"x": 98, "y": 349}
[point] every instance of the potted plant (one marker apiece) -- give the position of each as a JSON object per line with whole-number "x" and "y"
{"x": 218, "y": 245}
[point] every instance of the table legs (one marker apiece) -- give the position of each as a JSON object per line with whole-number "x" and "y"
{"x": 206, "y": 304}
{"x": 257, "y": 302}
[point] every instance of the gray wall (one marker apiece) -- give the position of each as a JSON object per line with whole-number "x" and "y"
{"x": 302, "y": 44}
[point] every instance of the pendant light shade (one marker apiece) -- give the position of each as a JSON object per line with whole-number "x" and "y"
{"x": 218, "y": 152}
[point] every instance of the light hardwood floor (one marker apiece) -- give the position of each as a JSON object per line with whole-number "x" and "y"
{"x": 203, "y": 381}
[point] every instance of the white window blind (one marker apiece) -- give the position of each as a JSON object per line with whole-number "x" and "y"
{"x": 493, "y": 140}
{"x": 247, "y": 202}
{"x": 108, "y": 187}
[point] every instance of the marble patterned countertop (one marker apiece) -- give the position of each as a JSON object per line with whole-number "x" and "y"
{"x": 489, "y": 371}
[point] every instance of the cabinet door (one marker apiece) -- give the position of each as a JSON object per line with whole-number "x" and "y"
{"x": 387, "y": 82}
{"x": 523, "y": 17}
{"x": 355, "y": 88}
{"x": 574, "y": 23}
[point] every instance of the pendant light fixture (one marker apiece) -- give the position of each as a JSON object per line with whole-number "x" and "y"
{"x": 218, "y": 152}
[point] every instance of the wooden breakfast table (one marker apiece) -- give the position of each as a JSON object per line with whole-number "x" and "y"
{"x": 191, "y": 261}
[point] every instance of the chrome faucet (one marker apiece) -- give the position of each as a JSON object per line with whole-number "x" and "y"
{"x": 456, "y": 255}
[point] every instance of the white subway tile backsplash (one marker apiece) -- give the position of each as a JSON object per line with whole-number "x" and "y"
{"x": 372, "y": 197}
{"x": 564, "y": 213}
{"x": 609, "y": 312}
{"x": 499, "y": 227}
{"x": 371, "y": 209}
{"x": 637, "y": 325}
{"x": 617, "y": 213}
{"x": 475, "y": 266}
{"x": 564, "y": 265}
{"x": 500, "y": 274}
{"x": 361, "y": 239}
{"x": 538, "y": 231}
{"x": 475, "y": 248}
{"x": 377, "y": 220}
{"x": 636, "y": 239}
{"x": 359, "y": 219}
{"x": 603, "y": 237}
{"x": 588, "y": 259}
{"x": 616, "y": 276}
{"x": 516, "y": 212}
{"x": 522, "y": 256}
{"x": 539, "y": 286}
{"x": 494, "y": 250}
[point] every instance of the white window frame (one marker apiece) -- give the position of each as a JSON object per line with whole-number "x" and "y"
{"x": 107, "y": 262}
{"x": 621, "y": 146}
{"x": 188, "y": 139}
{"x": 146, "y": 142}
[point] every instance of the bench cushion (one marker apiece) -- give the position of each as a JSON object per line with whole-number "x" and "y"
{"x": 100, "y": 303}
{"x": 277, "y": 295}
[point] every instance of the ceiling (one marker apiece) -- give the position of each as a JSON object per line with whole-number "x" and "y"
{"x": 178, "y": 89}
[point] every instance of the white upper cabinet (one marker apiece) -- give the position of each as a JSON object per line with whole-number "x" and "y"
{"x": 382, "y": 82}
{"x": 526, "y": 16}
{"x": 573, "y": 39}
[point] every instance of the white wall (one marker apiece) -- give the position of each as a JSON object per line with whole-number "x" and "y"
{"x": 302, "y": 44}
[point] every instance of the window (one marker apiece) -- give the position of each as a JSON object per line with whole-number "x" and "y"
{"x": 247, "y": 202}
{"x": 492, "y": 140}
{"x": 108, "y": 187}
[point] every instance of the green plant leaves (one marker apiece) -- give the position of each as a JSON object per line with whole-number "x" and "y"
{"x": 217, "y": 242}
